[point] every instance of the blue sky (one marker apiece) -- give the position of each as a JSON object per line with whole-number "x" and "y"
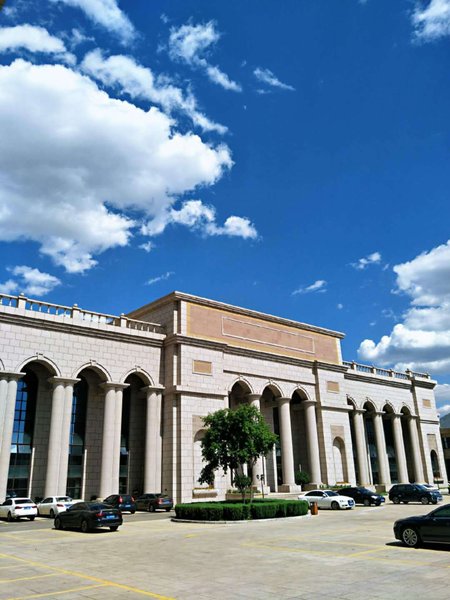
{"x": 290, "y": 157}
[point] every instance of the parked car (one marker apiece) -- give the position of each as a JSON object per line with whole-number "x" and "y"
{"x": 327, "y": 499}
{"x": 413, "y": 492}
{"x": 362, "y": 495}
{"x": 124, "y": 502}
{"x": 433, "y": 527}
{"x": 151, "y": 502}
{"x": 16, "y": 508}
{"x": 88, "y": 516}
{"x": 53, "y": 505}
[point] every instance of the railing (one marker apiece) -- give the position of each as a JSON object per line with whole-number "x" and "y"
{"x": 78, "y": 314}
{"x": 354, "y": 366}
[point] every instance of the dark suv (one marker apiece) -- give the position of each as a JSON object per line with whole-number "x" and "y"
{"x": 413, "y": 492}
{"x": 124, "y": 502}
{"x": 362, "y": 495}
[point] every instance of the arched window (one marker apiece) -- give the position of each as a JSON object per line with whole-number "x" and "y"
{"x": 197, "y": 458}
{"x": 77, "y": 439}
{"x": 22, "y": 437}
{"x": 340, "y": 471}
{"x": 435, "y": 465}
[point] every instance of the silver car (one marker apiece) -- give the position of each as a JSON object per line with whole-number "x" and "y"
{"x": 53, "y": 505}
{"x": 327, "y": 499}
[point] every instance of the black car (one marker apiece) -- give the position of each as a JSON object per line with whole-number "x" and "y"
{"x": 413, "y": 492}
{"x": 150, "y": 502}
{"x": 88, "y": 516}
{"x": 433, "y": 527}
{"x": 124, "y": 502}
{"x": 362, "y": 495}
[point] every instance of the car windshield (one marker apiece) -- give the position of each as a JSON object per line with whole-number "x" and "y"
{"x": 96, "y": 506}
{"x": 330, "y": 493}
{"x": 422, "y": 487}
{"x": 63, "y": 499}
{"x": 24, "y": 501}
{"x": 364, "y": 490}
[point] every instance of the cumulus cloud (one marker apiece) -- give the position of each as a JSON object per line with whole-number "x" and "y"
{"x": 160, "y": 278}
{"x": 189, "y": 44}
{"x": 319, "y": 286}
{"x": 33, "y": 39}
{"x": 77, "y": 160}
{"x": 105, "y": 13}
{"x": 29, "y": 281}
{"x": 371, "y": 259}
{"x": 267, "y": 77}
{"x": 201, "y": 217}
{"x": 140, "y": 82}
{"x": 422, "y": 340}
{"x": 432, "y": 22}
{"x": 442, "y": 395}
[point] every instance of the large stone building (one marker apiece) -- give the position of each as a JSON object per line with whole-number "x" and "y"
{"x": 92, "y": 404}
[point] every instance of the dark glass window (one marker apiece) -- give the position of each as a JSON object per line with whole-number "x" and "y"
{"x": 77, "y": 439}
{"x": 22, "y": 437}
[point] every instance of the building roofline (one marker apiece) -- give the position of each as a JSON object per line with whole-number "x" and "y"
{"x": 176, "y": 295}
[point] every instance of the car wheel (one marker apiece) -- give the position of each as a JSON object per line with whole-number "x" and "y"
{"x": 434, "y": 501}
{"x": 132, "y": 512}
{"x": 31, "y": 518}
{"x": 152, "y": 508}
{"x": 378, "y": 503}
{"x": 149, "y": 508}
{"x": 9, "y": 517}
{"x": 167, "y": 509}
{"x": 334, "y": 505}
{"x": 84, "y": 526}
{"x": 396, "y": 500}
{"x": 52, "y": 513}
{"x": 58, "y": 524}
{"x": 366, "y": 502}
{"x": 405, "y": 501}
{"x": 114, "y": 527}
{"x": 410, "y": 537}
{"x": 424, "y": 500}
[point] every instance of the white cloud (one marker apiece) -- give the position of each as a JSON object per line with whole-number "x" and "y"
{"x": 442, "y": 395}
{"x": 190, "y": 43}
{"x": 267, "y": 77}
{"x": 140, "y": 82}
{"x": 29, "y": 281}
{"x": 33, "y": 39}
{"x": 318, "y": 286}
{"x": 421, "y": 341}
{"x": 371, "y": 259}
{"x": 340, "y": 306}
{"x": 147, "y": 246}
{"x": 105, "y": 13}
{"x": 77, "y": 160}
{"x": 432, "y": 22}
{"x": 160, "y": 278}
{"x": 201, "y": 217}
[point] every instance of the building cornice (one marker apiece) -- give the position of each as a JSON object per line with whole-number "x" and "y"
{"x": 367, "y": 378}
{"x": 85, "y": 331}
{"x": 174, "y": 296}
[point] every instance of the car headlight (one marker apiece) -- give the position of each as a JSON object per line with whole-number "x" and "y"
{"x": 374, "y": 497}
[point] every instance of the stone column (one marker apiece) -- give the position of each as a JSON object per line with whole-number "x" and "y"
{"x": 361, "y": 447}
{"x": 312, "y": 441}
{"x": 65, "y": 436}
{"x": 400, "y": 449}
{"x": 287, "y": 451}
{"x": 152, "y": 468}
{"x": 54, "y": 441}
{"x": 117, "y": 436}
{"x": 108, "y": 441}
{"x": 8, "y": 393}
{"x": 257, "y": 471}
{"x": 383, "y": 465}
{"x": 417, "y": 461}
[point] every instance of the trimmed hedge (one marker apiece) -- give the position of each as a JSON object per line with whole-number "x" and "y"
{"x": 237, "y": 511}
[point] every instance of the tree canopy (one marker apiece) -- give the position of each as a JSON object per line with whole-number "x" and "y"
{"x": 234, "y": 438}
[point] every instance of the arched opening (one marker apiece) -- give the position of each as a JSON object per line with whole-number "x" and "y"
{"x": 77, "y": 439}
{"x": 271, "y": 463}
{"x": 351, "y": 404}
{"x": 340, "y": 465}
{"x": 390, "y": 444}
{"x": 404, "y": 420}
{"x": 132, "y": 437}
{"x": 197, "y": 459}
{"x": 19, "y": 474}
{"x": 435, "y": 465}
{"x": 374, "y": 474}
{"x": 238, "y": 394}
{"x": 299, "y": 432}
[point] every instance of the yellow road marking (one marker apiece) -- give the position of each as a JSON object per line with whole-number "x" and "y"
{"x": 28, "y": 578}
{"x": 355, "y": 554}
{"x": 68, "y": 591}
{"x": 88, "y": 577}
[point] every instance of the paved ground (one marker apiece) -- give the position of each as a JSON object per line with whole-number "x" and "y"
{"x": 340, "y": 555}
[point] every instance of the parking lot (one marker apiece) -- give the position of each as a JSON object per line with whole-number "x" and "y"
{"x": 344, "y": 555}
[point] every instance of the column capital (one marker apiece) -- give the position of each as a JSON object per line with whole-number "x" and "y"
{"x": 253, "y": 397}
{"x": 63, "y": 381}
{"x": 109, "y": 385}
{"x": 359, "y": 411}
{"x": 307, "y": 403}
{"x": 11, "y": 375}
{"x": 283, "y": 399}
{"x": 158, "y": 389}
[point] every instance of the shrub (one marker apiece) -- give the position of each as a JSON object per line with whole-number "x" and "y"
{"x": 237, "y": 511}
{"x": 302, "y": 478}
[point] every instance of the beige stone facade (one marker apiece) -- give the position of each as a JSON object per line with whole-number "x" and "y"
{"x": 94, "y": 404}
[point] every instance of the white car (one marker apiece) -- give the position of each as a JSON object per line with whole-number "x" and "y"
{"x": 15, "y": 508}
{"x": 327, "y": 499}
{"x": 53, "y": 505}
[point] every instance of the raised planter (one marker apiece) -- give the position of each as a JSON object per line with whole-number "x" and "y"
{"x": 204, "y": 493}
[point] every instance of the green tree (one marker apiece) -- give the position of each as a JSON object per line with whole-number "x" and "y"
{"x": 234, "y": 438}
